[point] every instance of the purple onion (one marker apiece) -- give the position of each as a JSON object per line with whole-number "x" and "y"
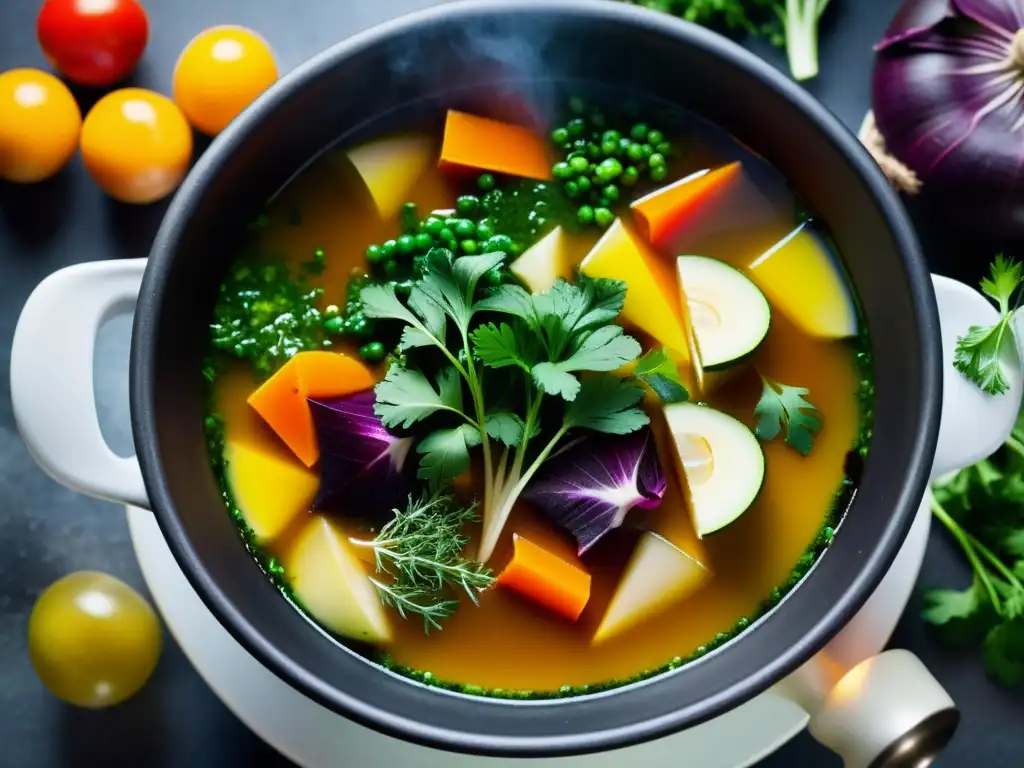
{"x": 948, "y": 98}
{"x": 362, "y": 465}
{"x": 588, "y": 488}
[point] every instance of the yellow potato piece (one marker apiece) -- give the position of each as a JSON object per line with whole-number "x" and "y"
{"x": 802, "y": 280}
{"x": 331, "y": 582}
{"x": 390, "y": 168}
{"x": 657, "y": 576}
{"x": 271, "y": 489}
{"x": 543, "y": 263}
{"x": 652, "y": 296}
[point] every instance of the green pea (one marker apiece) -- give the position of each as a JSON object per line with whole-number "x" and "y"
{"x": 576, "y": 126}
{"x": 494, "y": 276}
{"x": 655, "y": 137}
{"x": 647, "y": 150}
{"x": 331, "y": 310}
{"x": 404, "y": 288}
{"x": 446, "y": 236}
{"x": 593, "y": 151}
{"x": 608, "y": 170}
{"x": 638, "y": 132}
{"x": 664, "y": 148}
{"x": 603, "y": 217}
{"x": 467, "y": 204}
{"x": 611, "y": 136}
{"x": 604, "y": 202}
{"x": 609, "y": 148}
{"x": 391, "y": 269}
{"x": 630, "y": 176}
{"x": 334, "y": 324}
{"x": 424, "y": 241}
{"x": 484, "y": 229}
{"x": 659, "y": 173}
{"x": 571, "y": 189}
{"x": 625, "y": 143}
{"x": 372, "y": 352}
{"x": 406, "y": 244}
{"x": 469, "y": 246}
{"x": 585, "y": 215}
{"x": 579, "y": 164}
{"x": 387, "y": 249}
{"x": 502, "y": 243}
{"x": 485, "y": 182}
{"x": 464, "y": 228}
{"x": 374, "y": 253}
{"x": 611, "y": 192}
{"x": 433, "y": 225}
{"x": 583, "y": 184}
{"x": 560, "y": 135}
{"x": 635, "y": 151}
{"x": 561, "y": 170}
{"x": 656, "y": 160}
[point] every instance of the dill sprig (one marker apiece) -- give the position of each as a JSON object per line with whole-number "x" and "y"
{"x": 418, "y": 555}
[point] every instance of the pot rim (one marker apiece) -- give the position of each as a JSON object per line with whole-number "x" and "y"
{"x": 144, "y": 355}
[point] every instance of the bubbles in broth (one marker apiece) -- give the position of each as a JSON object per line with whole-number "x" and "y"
{"x": 580, "y": 467}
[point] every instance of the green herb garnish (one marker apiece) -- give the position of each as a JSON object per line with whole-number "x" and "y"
{"x": 982, "y": 506}
{"x": 658, "y": 371}
{"x": 784, "y": 407}
{"x": 418, "y": 556}
{"x": 548, "y": 339}
{"x": 979, "y": 355}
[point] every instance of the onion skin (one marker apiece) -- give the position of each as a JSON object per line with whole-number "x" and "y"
{"x": 948, "y": 98}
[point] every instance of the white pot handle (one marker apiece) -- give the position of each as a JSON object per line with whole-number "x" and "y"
{"x": 52, "y": 377}
{"x": 888, "y": 709}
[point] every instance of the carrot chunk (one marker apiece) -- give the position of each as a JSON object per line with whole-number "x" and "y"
{"x": 664, "y": 211}
{"x": 545, "y": 578}
{"x": 281, "y": 399}
{"x": 482, "y": 144}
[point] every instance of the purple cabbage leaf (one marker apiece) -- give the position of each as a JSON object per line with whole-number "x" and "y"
{"x": 590, "y": 486}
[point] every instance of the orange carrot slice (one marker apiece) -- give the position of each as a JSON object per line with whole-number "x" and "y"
{"x": 664, "y": 211}
{"x": 281, "y": 399}
{"x": 482, "y": 144}
{"x": 545, "y": 578}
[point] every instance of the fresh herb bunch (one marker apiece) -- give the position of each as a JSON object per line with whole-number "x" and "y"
{"x": 980, "y": 355}
{"x": 598, "y": 160}
{"x": 547, "y": 339}
{"x": 266, "y": 314}
{"x": 783, "y": 407}
{"x": 419, "y": 562}
{"x": 983, "y": 508}
{"x": 789, "y": 23}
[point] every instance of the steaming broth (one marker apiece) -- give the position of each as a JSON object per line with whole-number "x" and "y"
{"x": 509, "y": 642}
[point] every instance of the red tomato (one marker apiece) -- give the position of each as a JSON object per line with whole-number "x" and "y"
{"x": 93, "y": 42}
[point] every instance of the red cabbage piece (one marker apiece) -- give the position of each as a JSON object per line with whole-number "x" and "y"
{"x": 589, "y": 487}
{"x": 362, "y": 465}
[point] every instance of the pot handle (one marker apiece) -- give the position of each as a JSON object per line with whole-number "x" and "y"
{"x": 52, "y": 377}
{"x": 974, "y": 424}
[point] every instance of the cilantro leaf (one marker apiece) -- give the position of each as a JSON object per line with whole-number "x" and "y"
{"x": 605, "y": 298}
{"x": 505, "y": 427}
{"x": 784, "y": 407}
{"x": 551, "y": 379}
{"x": 604, "y": 349}
{"x": 509, "y": 300}
{"x": 606, "y": 403}
{"x": 982, "y": 354}
{"x": 445, "y": 454}
{"x": 500, "y": 347}
{"x": 658, "y": 371}
{"x": 942, "y": 606}
{"x": 1004, "y": 652}
{"x": 405, "y": 396}
{"x": 380, "y": 301}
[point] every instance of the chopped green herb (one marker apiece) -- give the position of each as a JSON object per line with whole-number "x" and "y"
{"x": 783, "y": 407}
{"x": 659, "y": 372}
{"x": 980, "y": 355}
{"x": 418, "y": 556}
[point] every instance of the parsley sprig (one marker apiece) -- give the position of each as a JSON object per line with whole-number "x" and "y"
{"x": 490, "y": 383}
{"x": 783, "y": 407}
{"x": 419, "y": 560}
{"x": 983, "y": 508}
{"x": 980, "y": 355}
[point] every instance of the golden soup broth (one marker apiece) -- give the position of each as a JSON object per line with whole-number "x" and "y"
{"x": 508, "y": 642}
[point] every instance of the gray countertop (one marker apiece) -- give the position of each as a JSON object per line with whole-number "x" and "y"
{"x": 47, "y": 531}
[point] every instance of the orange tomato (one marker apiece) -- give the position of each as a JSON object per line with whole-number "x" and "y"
{"x": 136, "y": 145}
{"x": 39, "y": 125}
{"x": 219, "y": 73}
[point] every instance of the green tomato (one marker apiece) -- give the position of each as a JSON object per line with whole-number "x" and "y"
{"x": 93, "y": 640}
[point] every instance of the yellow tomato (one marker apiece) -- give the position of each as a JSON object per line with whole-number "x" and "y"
{"x": 219, "y": 73}
{"x": 136, "y": 145}
{"x": 39, "y": 125}
{"x": 93, "y": 640}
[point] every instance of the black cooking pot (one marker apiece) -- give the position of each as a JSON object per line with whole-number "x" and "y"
{"x": 493, "y": 55}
